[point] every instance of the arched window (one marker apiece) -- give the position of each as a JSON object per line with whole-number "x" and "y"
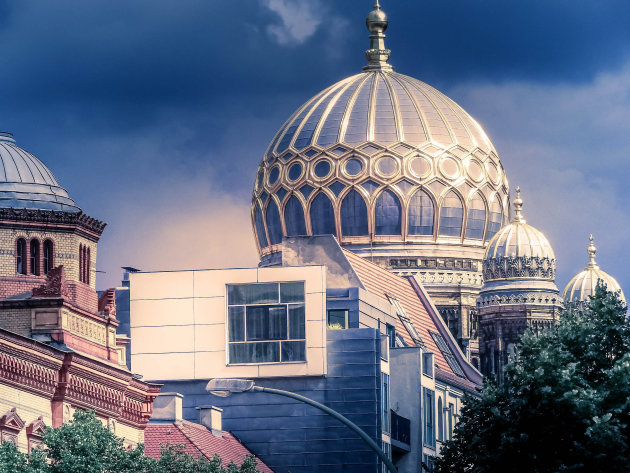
{"x": 354, "y": 219}
{"x": 387, "y": 214}
{"x": 496, "y": 218}
{"x": 421, "y": 214}
{"x": 81, "y": 263}
{"x": 88, "y": 263}
{"x": 476, "y": 218}
{"x": 273, "y": 223}
{"x": 20, "y": 256}
{"x": 451, "y": 216}
{"x": 260, "y": 227}
{"x": 294, "y": 217}
{"x": 35, "y": 257}
{"x": 48, "y": 256}
{"x": 440, "y": 419}
{"x": 322, "y": 216}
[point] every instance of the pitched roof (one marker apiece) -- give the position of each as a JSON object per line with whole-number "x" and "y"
{"x": 197, "y": 440}
{"x": 422, "y": 314}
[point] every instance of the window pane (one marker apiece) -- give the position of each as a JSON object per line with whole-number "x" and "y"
{"x": 451, "y": 216}
{"x": 387, "y": 214}
{"x": 354, "y": 215}
{"x": 297, "y": 329}
{"x": 337, "y": 317}
{"x": 236, "y": 319}
{"x": 293, "y": 351}
{"x": 494, "y": 223}
{"x": 421, "y": 214}
{"x": 294, "y": 217}
{"x": 266, "y": 323}
{"x": 254, "y": 352}
{"x": 476, "y": 218}
{"x": 273, "y": 223}
{"x": 322, "y": 216}
{"x": 292, "y": 292}
{"x": 239, "y": 294}
{"x": 260, "y": 228}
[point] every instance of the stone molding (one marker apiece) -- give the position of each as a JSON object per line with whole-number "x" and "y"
{"x": 528, "y": 267}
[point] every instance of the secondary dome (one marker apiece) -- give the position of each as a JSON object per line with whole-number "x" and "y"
{"x": 584, "y": 283}
{"x": 519, "y": 250}
{"x": 25, "y": 182}
{"x": 380, "y": 158}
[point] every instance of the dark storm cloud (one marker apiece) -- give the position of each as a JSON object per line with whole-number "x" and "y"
{"x": 154, "y": 111}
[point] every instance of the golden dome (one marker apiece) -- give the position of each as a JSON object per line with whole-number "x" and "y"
{"x": 584, "y": 283}
{"x": 519, "y": 251}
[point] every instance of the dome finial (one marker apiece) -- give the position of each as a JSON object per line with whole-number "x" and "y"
{"x": 378, "y": 54}
{"x": 591, "y": 250}
{"x": 518, "y": 206}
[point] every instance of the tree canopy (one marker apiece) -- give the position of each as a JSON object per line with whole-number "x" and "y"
{"x": 85, "y": 445}
{"x": 564, "y": 405}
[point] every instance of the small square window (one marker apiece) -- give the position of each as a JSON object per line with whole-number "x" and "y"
{"x": 337, "y": 319}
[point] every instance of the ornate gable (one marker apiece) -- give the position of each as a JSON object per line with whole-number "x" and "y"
{"x": 10, "y": 426}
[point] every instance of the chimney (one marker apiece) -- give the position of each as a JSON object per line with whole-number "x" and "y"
{"x": 167, "y": 407}
{"x": 210, "y": 417}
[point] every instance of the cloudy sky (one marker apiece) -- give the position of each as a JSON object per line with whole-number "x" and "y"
{"x": 154, "y": 114}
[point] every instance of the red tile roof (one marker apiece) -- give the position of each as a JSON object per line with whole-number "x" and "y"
{"x": 414, "y": 300}
{"x": 197, "y": 440}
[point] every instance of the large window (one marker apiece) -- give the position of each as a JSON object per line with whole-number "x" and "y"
{"x": 294, "y": 217}
{"x": 451, "y": 216}
{"x": 322, "y": 216}
{"x": 496, "y": 217}
{"x": 429, "y": 417}
{"x": 476, "y": 218}
{"x": 266, "y": 322}
{"x": 387, "y": 212}
{"x": 421, "y": 214}
{"x": 354, "y": 220}
{"x": 274, "y": 228}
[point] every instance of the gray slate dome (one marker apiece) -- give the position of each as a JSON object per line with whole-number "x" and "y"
{"x": 26, "y": 183}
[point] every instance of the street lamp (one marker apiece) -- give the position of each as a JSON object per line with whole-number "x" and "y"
{"x": 224, "y": 387}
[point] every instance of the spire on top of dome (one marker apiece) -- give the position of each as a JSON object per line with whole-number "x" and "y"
{"x": 378, "y": 54}
{"x": 518, "y": 206}
{"x": 592, "y": 250}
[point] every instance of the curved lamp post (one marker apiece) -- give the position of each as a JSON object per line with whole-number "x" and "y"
{"x": 225, "y": 387}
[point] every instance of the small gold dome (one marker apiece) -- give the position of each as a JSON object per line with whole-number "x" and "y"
{"x": 519, "y": 250}
{"x": 584, "y": 283}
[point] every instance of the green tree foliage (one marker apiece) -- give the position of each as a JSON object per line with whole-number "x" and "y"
{"x": 85, "y": 445}
{"x": 564, "y": 405}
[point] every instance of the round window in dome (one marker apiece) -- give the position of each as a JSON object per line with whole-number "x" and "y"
{"x": 295, "y": 171}
{"x": 387, "y": 166}
{"x": 493, "y": 172}
{"x": 274, "y": 175}
{"x": 420, "y": 166}
{"x": 353, "y": 166}
{"x": 449, "y": 167}
{"x": 322, "y": 169}
{"x": 474, "y": 170}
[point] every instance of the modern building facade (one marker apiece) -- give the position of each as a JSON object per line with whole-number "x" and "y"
{"x": 327, "y": 324}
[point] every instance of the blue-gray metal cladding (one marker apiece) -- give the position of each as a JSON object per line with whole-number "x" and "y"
{"x": 25, "y": 182}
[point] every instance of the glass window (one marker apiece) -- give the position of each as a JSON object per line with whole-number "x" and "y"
{"x": 266, "y": 322}
{"x": 354, "y": 220}
{"x": 427, "y": 364}
{"x": 294, "y": 217}
{"x": 387, "y": 214}
{"x": 337, "y": 319}
{"x": 35, "y": 257}
{"x": 451, "y": 216}
{"x": 440, "y": 418}
{"x": 476, "y": 218}
{"x": 48, "y": 256}
{"x": 429, "y": 417}
{"x": 391, "y": 335}
{"x": 260, "y": 228}
{"x": 385, "y": 419}
{"x": 447, "y": 353}
{"x": 406, "y": 321}
{"x": 273, "y": 223}
{"x": 322, "y": 216}
{"x": 421, "y": 214}
{"x": 322, "y": 169}
{"x": 496, "y": 216}
{"x": 451, "y": 412}
{"x": 21, "y": 256}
